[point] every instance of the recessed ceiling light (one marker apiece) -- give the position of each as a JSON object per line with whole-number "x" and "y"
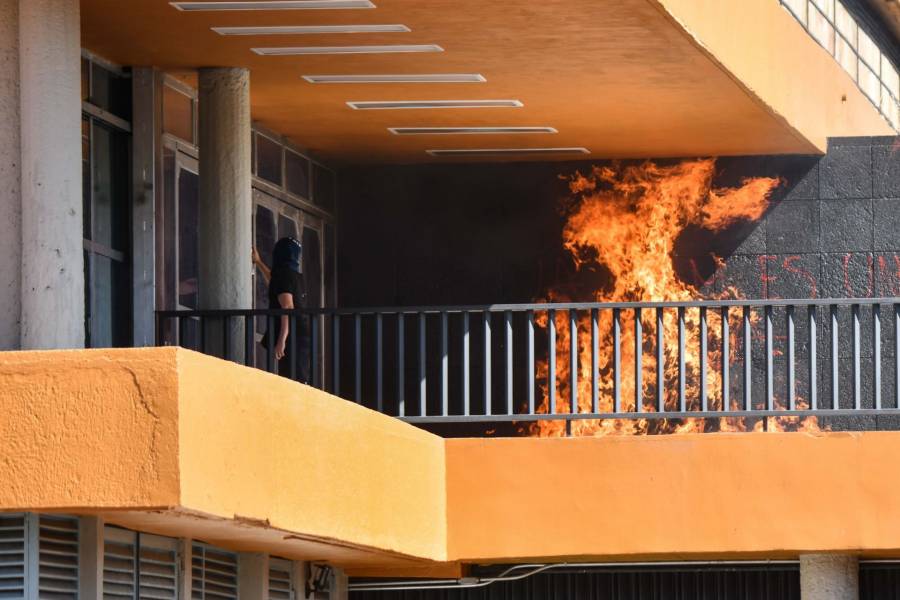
{"x": 506, "y": 151}
{"x": 274, "y": 5}
{"x": 305, "y": 50}
{"x": 425, "y": 78}
{"x": 310, "y": 29}
{"x": 467, "y": 130}
{"x": 400, "y": 104}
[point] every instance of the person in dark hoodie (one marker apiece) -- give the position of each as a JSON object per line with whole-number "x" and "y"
{"x": 288, "y": 291}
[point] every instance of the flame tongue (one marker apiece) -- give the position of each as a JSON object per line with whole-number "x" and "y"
{"x": 627, "y": 219}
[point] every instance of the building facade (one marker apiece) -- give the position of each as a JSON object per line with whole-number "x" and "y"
{"x": 602, "y": 299}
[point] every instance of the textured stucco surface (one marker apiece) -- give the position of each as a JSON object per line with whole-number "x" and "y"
{"x": 10, "y": 161}
{"x": 829, "y": 577}
{"x": 88, "y": 429}
{"x": 52, "y": 247}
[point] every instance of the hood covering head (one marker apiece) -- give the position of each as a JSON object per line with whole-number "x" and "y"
{"x": 287, "y": 254}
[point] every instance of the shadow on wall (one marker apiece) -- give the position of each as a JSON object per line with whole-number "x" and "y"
{"x": 492, "y": 233}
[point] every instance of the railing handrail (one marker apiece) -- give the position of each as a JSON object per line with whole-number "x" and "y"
{"x": 522, "y": 307}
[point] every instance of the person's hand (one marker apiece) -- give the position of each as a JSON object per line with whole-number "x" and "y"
{"x": 279, "y": 349}
{"x": 254, "y": 255}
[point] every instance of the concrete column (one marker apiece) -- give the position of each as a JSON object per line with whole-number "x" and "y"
{"x": 253, "y": 576}
{"x": 52, "y": 248}
{"x": 226, "y": 202}
{"x": 10, "y": 161}
{"x": 90, "y": 558}
{"x": 339, "y": 586}
{"x": 829, "y": 577}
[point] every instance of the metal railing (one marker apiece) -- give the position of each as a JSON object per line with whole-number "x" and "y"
{"x": 633, "y": 360}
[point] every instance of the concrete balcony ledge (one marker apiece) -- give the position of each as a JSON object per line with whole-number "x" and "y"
{"x": 177, "y": 443}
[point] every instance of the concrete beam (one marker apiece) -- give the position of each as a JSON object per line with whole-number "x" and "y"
{"x": 52, "y": 244}
{"x": 10, "y": 169}
{"x": 829, "y": 577}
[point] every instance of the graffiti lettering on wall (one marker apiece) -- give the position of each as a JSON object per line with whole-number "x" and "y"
{"x": 800, "y": 276}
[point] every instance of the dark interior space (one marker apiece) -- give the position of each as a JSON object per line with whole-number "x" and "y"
{"x": 483, "y": 234}
{"x": 773, "y": 582}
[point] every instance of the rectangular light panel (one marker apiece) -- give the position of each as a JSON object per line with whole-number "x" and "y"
{"x": 273, "y": 5}
{"x": 406, "y": 104}
{"x": 310, "y": 29}
{"x": 308, "y": 50}
{"x": 507, "y": 151}
{"x": 422, "y": 78}
{"x": 467, "y": 130}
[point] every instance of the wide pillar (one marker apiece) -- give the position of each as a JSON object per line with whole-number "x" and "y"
{"x": 52, "y": 244}
{"x": 10, "y": 161}
{"x": 829, "y": 577}
{"x": 226, "y": 204}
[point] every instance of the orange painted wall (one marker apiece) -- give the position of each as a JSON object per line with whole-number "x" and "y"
{"x": 189, "y": 445}
{"x": 770, "y": 55}
{"x": 719, "y": 495}
{"x": 88, "y": 428}
{"x": 265, "y": 448}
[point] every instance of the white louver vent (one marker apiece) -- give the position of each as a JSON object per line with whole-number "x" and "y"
{"x": 150, "y": 573}
{"x": 279, "y": 579}
{"x": 215, "y": 574}
{"x": 12, "y": 556}
{"x": 58, "y": 558}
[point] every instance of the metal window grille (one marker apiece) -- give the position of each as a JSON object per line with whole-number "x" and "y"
{"x": 157, "y": 568}
{"x": 280, "y": 581}
{"x": 119, "y": 564}
{"x": 12, "y": 556}
{"x": 214, "y": 574}
{"x": 57, "y": 557}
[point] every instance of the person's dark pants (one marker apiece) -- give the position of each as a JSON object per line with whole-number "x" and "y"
{"x": 303, "y": 366}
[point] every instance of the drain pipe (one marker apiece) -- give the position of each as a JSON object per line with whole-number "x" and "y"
{"x": 533, "y": 569}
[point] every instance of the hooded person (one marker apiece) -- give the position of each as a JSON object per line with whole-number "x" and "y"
{"x": 288, "y": 291}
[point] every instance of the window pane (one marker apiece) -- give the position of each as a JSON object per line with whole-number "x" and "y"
{"x": 111, "y": 92}
{"x": 846, "y": 24}
{"x": 268, "y": 159}
{"x": 323, "y": 187}
{"x": 869, "y": 84}
{"x": 264, "y": 230}
{"x": 826, "y": 7}
{"x": 869, "y": 52}
{"x": 287, "y": 227}
{"x": 330, "y": 279}
{"x": 188, "y": 244}
{"x": 846, "y": 57}
{"x": 890, "y": 78}
{"x": 109, "y": 306}
{"x": 85, "y": 80}
{"x": 889, "y": 106}
{"x": 178, "y": 114}
{"x": 86, "y": 177}
{"x": 798, "y": 9}
{"x": 110, "y": 177}
{"x": 297, "y": 174}
{"x": 312, "y": 267}
{"x": 168, "y": 230}
{"x": 820, "y": 28}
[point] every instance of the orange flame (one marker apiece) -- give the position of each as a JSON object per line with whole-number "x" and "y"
{"x": 627, "y": 219}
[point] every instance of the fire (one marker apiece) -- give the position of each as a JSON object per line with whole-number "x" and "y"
{"x": 627, "y": 219}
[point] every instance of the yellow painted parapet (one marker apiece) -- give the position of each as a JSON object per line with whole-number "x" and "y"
{"x": 177, "y": 443}
{"x": 670, "y": 497}
{"x": 767, "y": 52}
